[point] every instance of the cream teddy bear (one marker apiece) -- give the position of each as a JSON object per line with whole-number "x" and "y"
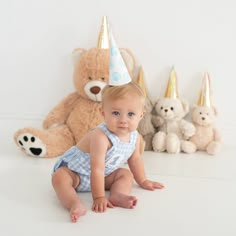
{"x": 146, "y": 127}
{"x": 207, "y": 137}
{"x": 172, "y": 128}
{"x": 78, "y": 112}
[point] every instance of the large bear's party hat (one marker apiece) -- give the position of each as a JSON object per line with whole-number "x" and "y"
{"x": 103, "y": 37}
{"x": 118, "y": 72}
{"x": 172, "y": 86}
{"x": 205, "y": 96}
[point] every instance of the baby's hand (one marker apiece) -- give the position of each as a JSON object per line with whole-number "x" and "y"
{"x": 100, "y": 204}
{"x": 151, "y": 185}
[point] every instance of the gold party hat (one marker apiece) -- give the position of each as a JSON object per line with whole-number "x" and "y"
{"x": 172, "y": 87}
{"x": 204, "y": 97}
{"x": 103, "y": 38}
{"x": 141, "y": 81}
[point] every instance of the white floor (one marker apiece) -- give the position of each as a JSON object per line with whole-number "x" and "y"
{"x": 199, "y": 198}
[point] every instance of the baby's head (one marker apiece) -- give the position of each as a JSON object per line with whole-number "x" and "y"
{"x": 130, "y": 90}
{"x": 122, "y": 107}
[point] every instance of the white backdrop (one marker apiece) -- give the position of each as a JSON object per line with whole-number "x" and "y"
{"x": 37, "y": 38}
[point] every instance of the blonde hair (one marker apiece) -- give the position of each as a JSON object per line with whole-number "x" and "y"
{"x": 117, "y": 92}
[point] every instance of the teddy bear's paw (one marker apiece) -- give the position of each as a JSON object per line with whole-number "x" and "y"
{"x": 213, "y": 148}
{"x": 189, "y": 131}
{"x": 31, "y": 145}
{"x": 188, "y": 147}
{"x": 159, "y": 142}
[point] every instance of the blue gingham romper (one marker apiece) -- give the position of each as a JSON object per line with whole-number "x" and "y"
{"x": 116, "y": 156}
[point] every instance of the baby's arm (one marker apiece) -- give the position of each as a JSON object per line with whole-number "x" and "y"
{"x": 99, "y": 145}
{"x": 136, "y": 166}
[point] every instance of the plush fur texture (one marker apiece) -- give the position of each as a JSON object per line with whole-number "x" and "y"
{"x": 78, "y": 112}
{"x": 172, "y": 128}
{"x": 207, "y": 138}
{"x": 146, "y": 127}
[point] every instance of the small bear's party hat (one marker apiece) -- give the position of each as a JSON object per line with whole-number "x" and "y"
{"x": 141, "y": 81}
{"x": 205, "y": 96}
{"x": 172, "y": 87}
{"x": 119, "y": 74}
{"x": 103, "y": 38}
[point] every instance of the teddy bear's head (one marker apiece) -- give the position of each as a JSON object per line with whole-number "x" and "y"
{"x": 203, "y": 115}
{"x": 91, "y": 73}
{"x": 171, "y": 108}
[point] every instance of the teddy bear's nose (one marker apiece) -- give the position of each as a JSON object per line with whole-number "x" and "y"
{"x": 95, "y": 90}
{"x": 166, "y": 110}
{"x": 203, "y": 118}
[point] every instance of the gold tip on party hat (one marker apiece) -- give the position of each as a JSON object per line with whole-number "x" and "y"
{"x": 141, "y": 81}
{"x": 172, "y": 87}
{"x": 103, "y": 38}
{"x": 118, "y": 73}
{"x": 204, "y": 97}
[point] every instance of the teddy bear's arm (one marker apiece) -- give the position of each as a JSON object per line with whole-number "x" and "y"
{"x": 157, "y": 121}
{"x": 217, "y": 135}
{"x": 61, "y": 112}
{"x": 187, "y": 129}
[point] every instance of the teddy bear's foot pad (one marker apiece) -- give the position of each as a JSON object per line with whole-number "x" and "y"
{"x": 31, "y": 145}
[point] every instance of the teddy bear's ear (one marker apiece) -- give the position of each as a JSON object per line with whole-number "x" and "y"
{"x": 194, "y": 106}
{"x": 128, "y": 59}
{"x": 185, "y": 106}
{"x": 215, "y": 111}
{"x": 76, "y": 55}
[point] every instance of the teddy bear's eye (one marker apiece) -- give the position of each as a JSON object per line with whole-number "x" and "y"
{"x": 172, "y": 108}
{"x": 90, "y": 78}
{"x": 161, "y": 108}
{"x": 102, "y": 78}
{"x": 200, "y": 113}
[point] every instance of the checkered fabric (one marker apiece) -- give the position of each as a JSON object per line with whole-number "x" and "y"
{"x": 116, "y": 156}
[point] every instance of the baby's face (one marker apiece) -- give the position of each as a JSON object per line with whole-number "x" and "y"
{"x": 123, "y": 115}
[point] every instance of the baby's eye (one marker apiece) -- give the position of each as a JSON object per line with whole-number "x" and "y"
{"x": 130, "y": 114}
{"x": 115, "y": 113}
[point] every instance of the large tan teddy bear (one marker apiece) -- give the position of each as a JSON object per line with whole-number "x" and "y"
{"x": 169, "y": 120}
{"x": 207, "y": 137}
{"x": 77, "y": 113}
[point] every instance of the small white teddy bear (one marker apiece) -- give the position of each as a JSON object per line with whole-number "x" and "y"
{"x": 172, "y": 128}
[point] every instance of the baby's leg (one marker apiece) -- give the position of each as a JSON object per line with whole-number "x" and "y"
{"x": 120, "y": 183}
{"x": 64, "y": 182}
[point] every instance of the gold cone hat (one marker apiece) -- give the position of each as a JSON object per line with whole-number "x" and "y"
{"x": 172, "y": 86}
{"x": 141, "y": 81}
{"x": 103, "y": 38}
{"x": 204, "y": 97}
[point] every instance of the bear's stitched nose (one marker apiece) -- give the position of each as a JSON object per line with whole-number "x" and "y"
{"x": 166, "y": 110}
{"x": 203, "y": 118}
{"x": 95, "y": 90}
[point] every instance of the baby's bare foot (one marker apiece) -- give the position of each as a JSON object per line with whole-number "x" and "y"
{"x": 122, "y": 200}
{"x": 76, "y": 211}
